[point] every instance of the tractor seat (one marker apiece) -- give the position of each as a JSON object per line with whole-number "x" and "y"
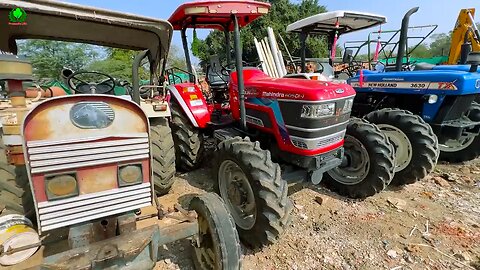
{"x": 423, "y": 66}
{"x": 215, "y": 77}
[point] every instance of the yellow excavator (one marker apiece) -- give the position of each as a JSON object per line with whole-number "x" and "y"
{"x": 465, "y": 37}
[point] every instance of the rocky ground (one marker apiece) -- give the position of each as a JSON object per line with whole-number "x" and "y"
{"x": 433, "y": 224}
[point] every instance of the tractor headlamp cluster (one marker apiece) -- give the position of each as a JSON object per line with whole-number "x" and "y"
{"x": 347, "y": 107}
{"x": 130, "y": 174}
{"x": 61, "y": 186}
{"x": 318, "y": 110}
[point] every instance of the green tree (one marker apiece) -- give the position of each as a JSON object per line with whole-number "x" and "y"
{"x": 440, "y": 45}
{"x": 421, "y": 51}
{"x": 282, "y": 13}
{"x": 50, "y": 57}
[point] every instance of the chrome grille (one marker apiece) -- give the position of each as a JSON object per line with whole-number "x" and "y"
{"x": 47, "y": 156}
{"x": 61, "y": 213}
{"x": 331, "y": 140}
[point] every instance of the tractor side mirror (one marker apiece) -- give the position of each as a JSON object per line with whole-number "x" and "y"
{"x": 347, "y": 56}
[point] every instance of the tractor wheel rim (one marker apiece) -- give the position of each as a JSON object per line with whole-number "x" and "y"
{"x": 401, "y": 143}
{"x": 358, "y": 163}
{"x": 457, "y": 145}
{"x": 237, "y": 193}
{"x": 205, "y": 247}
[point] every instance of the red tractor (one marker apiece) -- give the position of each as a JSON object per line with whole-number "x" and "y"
{"x": 261, "y": 122}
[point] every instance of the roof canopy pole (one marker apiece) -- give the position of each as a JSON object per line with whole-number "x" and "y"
{"x": 303, "y": 49}
{"x": 239, "y": 66}
{"x": 227, "y": 47}
{"x": 334, "y": 44}
{"x": 187, "y": 54}
{"x": 135, "y": 77}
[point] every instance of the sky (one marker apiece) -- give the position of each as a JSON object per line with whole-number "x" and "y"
{"x": 440, "y": 12}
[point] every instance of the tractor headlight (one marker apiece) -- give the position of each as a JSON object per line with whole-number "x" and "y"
{"x": 318, "y": 110}
{"x": 347, "y": 107}
{"x": 61, "y": 186}
{"x": 432, "y": 99}
{"x": 130, "y": 175}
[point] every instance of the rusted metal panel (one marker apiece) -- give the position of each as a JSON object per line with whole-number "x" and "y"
{"x": 137, "y": 250}
{"x": 51, "y": 120}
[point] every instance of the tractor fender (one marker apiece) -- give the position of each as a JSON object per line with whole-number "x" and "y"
{"x": 191, "y": 100}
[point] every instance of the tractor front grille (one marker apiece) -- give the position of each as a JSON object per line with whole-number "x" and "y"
{"x": 48, "y": 156}
{"x": 61, "y": 213}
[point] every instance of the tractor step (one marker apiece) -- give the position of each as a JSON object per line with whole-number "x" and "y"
{"x": 222, "y": 121}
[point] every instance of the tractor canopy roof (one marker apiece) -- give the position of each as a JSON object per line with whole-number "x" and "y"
{"x": 53, "y": 20}
{"x": 217, "y": 14}
{"x": 325, "y": 23}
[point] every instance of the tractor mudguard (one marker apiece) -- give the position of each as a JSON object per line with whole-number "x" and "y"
{"x": 119, "y": 251}
{"x": 190, "y": 98}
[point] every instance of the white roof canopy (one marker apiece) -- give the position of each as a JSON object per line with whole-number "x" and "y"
{"x": 324, "y": 23}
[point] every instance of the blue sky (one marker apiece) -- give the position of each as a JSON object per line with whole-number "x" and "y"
{"x": 441, "y": 12}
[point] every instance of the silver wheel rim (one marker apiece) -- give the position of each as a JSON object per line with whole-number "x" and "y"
{"x": 358, "y": 163}
{"x": 237, "y": 193}
{"x": 456, "y": 145}
{"x": 401, "y": 143}
{"x": 205, "y": 250}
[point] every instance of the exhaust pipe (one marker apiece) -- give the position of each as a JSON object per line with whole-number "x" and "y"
{"x": 66, "y": 72}
{"x": 402, "y": 43}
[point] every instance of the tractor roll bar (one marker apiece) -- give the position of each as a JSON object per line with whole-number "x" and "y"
{"x": 402, "y": 43}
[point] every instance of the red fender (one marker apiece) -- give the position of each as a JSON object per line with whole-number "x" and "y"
{"x": 191, "y": 100}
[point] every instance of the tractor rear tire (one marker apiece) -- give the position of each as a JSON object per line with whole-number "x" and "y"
{"x": 188, "y": 140}
{"x": 470, "y": 152}
{"x": 368, "y": 149}
{"x": 244, "y": 171}
{"x": 163, "y": 154}
{"x": 218, "y": 244}
{"x": 423, "y": 146}
{"x": 15, "y": 192}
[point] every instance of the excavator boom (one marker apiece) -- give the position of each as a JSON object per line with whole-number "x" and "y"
{"x": 465, "y": 34}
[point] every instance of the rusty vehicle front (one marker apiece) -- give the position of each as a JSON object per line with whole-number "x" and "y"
{"x": 80, "y": 172}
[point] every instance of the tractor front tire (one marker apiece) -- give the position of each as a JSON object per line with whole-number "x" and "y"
{"x": 416, "y": 146}
{"x": 253, "y": 190}
{"x": 470, "y": 149}
{"x": 15, "y": 192}
{"x": 188, "y": 140}
{"x": 370, "y": 162}
{"x": 163, "y": 154}
{"x": 218, "y": 245}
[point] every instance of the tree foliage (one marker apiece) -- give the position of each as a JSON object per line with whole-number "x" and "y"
{"x": 50, "y": 57}
{"x": 282, "y": 13}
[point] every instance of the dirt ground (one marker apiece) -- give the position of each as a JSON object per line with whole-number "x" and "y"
{"x": 433, "y": 224}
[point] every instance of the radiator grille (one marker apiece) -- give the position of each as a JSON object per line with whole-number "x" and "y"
{"x": 47, "y": 156}
{"x": 61, "y": 213}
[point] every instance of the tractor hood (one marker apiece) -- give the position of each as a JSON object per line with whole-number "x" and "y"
{"x": 53, "y": 20}
{"x": 261, "y": 85}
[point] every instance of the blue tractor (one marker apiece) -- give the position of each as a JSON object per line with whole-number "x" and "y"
{"x": 444, "y": 96}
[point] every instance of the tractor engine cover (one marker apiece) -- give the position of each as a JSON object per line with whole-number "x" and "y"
{"x": 307, "y": 118}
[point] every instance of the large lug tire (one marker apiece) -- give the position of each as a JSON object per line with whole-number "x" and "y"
{"x": 163, "y": 154}
{"x": 253, "y": 191}
{"x": 416, "y": 146}
{"x": 15, "y": 192}
{"x": 369, "y": 163}
{"x": 189, "y": 141}
{"x": 465, "y": 149}
{"x": 218, "y": 245}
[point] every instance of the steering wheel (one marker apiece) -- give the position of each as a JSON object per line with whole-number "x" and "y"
{"x": 90, "y": 82}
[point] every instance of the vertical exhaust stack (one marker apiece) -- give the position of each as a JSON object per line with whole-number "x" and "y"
{"x": 402, "y": 43}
